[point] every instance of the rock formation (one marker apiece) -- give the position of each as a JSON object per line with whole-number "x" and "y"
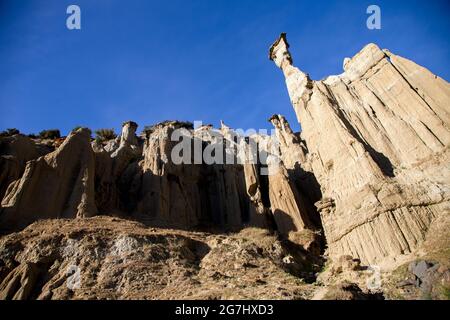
{"x": 57, "y": 185}
{"x": 15, "y": 151}
{"x": 122, "y": 259}
{"x": 138, "y": 178}
{"x": 377, "y": 140}
{"x": 363, "y": 183}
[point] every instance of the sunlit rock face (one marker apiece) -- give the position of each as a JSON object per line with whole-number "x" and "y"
{"x": 377, "y": 140}
{"x": 139, "y": 178}
{"x": 367, "y": 176}
{"x": 57, "y": 185}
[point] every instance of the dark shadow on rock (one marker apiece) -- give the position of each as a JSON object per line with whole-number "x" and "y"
{"x": 307, "y": 262}
{"x": 306, "y": 182}
{"x": 199, "y": 249}
{"x": 284, "y": 222}
{"x": 382, "y": 161}
{"x": 306, "y": 265}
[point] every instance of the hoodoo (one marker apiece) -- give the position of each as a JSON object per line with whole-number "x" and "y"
{"x": 364, "y": 187}
{"x": 377, "y": 140}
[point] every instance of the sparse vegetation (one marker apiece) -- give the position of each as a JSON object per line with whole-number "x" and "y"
{"x": 50, "y": 134}
{"x": 304, "y": 236}
{"x": 103, "y": 135}
{"x": 263, "y": 237}
{"x": 9, "y": 132}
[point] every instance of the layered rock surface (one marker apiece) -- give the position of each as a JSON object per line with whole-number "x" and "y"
{"x": 15, "y": 151}
{"x": 367, "y": 178}
{"x": 139, "y": 178}
{"x": 377, "y": 140}
{"x": 57, "y": 185}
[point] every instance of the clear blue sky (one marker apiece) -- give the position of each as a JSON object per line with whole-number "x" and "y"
{"x": 150, "y": 61}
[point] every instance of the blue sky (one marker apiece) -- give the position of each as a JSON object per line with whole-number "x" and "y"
{"x": 150, "y": 61}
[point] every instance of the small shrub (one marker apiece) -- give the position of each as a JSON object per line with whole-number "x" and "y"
{"x": 105, "y": 135}
{"x": 50, "y": 134}
{"x": 9, "y": 132}
{"x": 263, "y": 237}
{"x": 446, "y": 293}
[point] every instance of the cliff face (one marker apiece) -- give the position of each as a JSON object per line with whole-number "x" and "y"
{"x": 138, "y": 178}
{"x": 377, "y": 140}
{"x": 57, "y": 185}
{"x": 367, "y": 176}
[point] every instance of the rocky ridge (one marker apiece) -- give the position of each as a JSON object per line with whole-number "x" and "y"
{"x": 365, "y": 181}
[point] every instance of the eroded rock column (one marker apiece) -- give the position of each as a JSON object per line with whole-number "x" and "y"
{"x": 366, "y": 132}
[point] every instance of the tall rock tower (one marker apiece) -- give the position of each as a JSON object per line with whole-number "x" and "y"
{"x": 377, "y": 140}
